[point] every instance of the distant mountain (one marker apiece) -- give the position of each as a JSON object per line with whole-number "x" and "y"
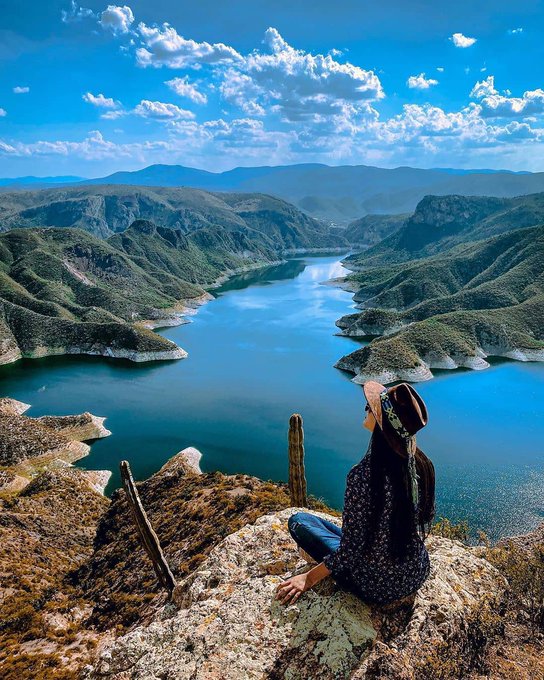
{"x": 372, "y": 229}
{"x": 38, "y": 182}
{"x": 104, "y": 210}
{"x": 476, "y": 299}
{"x": 441, "y": 222}
{"x": 340, "y": 193}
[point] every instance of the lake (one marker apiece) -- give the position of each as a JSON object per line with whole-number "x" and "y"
{"x": 264, "y": 349}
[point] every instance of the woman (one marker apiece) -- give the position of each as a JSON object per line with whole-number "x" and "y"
{"x": 379, "y": 553}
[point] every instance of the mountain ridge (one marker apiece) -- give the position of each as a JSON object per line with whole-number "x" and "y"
{"x": 339, "y": 193}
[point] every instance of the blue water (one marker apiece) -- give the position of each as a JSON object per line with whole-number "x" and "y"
{"x": 265, "y": 348}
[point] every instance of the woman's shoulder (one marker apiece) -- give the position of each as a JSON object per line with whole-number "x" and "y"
{"x": 361, "y": 468}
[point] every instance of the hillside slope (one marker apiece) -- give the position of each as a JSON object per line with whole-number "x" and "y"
{"x": 477, "y": 299}
{"x": 104, "y": 210}
{"x": 65, "y": 291}
{"x": 442, "y": 222}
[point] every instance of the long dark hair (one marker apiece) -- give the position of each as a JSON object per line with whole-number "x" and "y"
{"x": 406, "y": 522}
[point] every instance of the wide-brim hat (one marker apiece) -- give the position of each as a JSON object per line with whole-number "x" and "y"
{"x": 405, "y": 411}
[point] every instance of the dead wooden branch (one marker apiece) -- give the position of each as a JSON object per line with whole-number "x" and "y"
{"x": 147, "y": 535}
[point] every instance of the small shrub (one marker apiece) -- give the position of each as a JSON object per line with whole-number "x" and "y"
{"x": 446, "y": 529}
{"x": 524, "y": 571}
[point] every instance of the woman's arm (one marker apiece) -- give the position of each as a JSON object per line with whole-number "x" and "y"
{"x": 292, "y": 588}
{"x": 355, "y": 519}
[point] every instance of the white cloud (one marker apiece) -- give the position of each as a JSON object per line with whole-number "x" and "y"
{"x": 163, "y": 46}
{"x": 117, "y": 19}
{"x": 21, "y": 90}
{"x": 460, "y": 40}
{"x": 100, "y": 101}
{"x": 440, "y": 69}
{"x": 184, "y": 88}
{"x": 76, "y": 13}
{"x": 494, "y": 104}
{"x": 161, "y": 111}
{"x": 299, "y": 86}
{"x": 515, "y": 31}
{"x": 3, "y": 113}
{"x": 420, "y": 82}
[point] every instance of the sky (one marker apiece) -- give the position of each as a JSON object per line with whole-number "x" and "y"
{"x": 89, "y": 89}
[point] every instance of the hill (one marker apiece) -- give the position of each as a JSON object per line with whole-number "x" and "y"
{"x": 105, "y": 210}
{"x": 442, "y": 222}
{"x": 372, "y": 229}
{"x": 477, "y": 299}
{"x": 66, "y": 291}
{"x": 340, "y": 193}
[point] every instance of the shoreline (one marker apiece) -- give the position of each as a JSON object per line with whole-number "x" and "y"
{"x": 422, "y": 372}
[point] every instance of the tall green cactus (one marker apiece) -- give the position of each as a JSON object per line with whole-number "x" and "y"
{"x": 297, "y": 477}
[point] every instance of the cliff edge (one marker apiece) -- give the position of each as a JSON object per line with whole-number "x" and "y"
{"x": 230, "y": 626}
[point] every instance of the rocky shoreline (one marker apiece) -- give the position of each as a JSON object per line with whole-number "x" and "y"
{"x": 396, "y": 347}
{"x": 30, "y": 445}
{"x": 423, "y": 372}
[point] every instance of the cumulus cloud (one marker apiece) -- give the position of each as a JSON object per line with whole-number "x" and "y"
{"x": 117, "y": 19}
{"x": 420, "y": 82}
{"x": 299, "y": 86}
{"x": 161, "y": 111}
{"x": 440, "y": 69}
{"x": 100, "y": 101}
{"x": 515, "y": 31}
{"x": 495, "y": 104}
{"x": 18, "y": 89}
{"x": 460, "y": 40}
{"x": 163, "y": 46}
{"x": 76, "y": 13}
{"x": 183, "y": 88}
{"x": 3, "y": 113}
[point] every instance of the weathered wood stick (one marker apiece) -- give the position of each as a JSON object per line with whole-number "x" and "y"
{"x": 297, "y": 477}
{"x": 146, "y": 533}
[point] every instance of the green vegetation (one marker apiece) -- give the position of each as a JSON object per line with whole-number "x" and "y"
{"x": 371, "y": 229}
{"x": 445, "y": 309}
{"x": 265, "y": 221}
{"x": 442, "y": 222}
{"x": 64, "y": 290}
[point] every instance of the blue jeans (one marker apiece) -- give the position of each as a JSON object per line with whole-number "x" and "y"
{"x": 318, "y": 537}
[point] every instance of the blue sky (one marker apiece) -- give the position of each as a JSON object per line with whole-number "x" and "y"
{"x": 92, "y": 88}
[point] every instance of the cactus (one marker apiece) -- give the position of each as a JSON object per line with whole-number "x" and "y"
{"x": 297, "y": 478}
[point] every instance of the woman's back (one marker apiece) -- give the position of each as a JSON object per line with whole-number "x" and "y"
{"x": 372, "y": 569}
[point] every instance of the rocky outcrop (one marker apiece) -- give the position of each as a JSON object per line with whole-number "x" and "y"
{"x": 49, "y": 511}
{"x": 82, "y": 428}
{"x": 27, "y": 445}
{"x": 229, "y": 625}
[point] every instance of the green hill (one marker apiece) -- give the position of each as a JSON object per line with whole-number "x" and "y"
{"x": 66, "y": 291}
{"x": 477, "y": 299}
{"x": 442, "y": 222}
{"x": 371, "y": 229}
{"x": 266, "y": 221}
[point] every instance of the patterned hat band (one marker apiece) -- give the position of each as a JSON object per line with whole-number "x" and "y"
{"x": 394, "y": 421}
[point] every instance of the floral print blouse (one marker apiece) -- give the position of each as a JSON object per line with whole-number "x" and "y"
{"x": 376, "y": 576}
